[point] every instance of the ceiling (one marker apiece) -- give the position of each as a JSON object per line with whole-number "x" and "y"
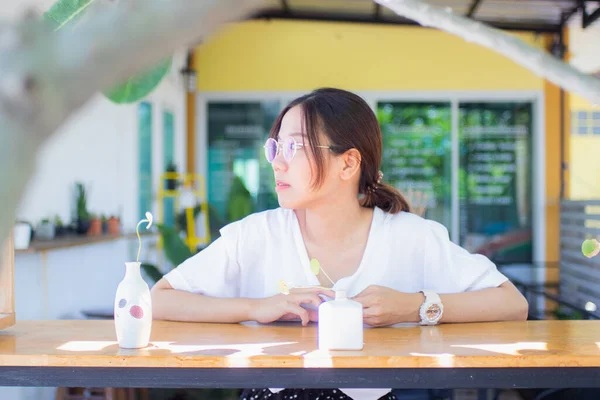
{"x": 522, "y": 15}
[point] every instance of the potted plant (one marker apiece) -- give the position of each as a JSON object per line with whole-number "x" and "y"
{"x": 171, "y": 183}
{"x": 83, "y": 215}
{"x": 45, "y": 229}
{"x": 95, "y": 228}
{"x": 59, "y": 228}
{"x": 113, "y": 225}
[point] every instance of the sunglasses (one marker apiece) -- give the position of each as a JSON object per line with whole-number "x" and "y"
{"x": 288, "y": 148}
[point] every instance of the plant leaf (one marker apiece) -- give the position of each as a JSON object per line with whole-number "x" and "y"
{"x": 65, "y": 12}
{"x": 140, "y": 85}
{"x": 68, "y": 13}
{"x": 175, "y": 248}
{"x": 152, "y": 271}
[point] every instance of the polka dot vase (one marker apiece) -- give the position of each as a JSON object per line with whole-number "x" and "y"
{"x": 133, "y": 309}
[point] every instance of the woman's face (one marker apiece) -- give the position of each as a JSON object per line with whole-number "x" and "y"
{"x": 294, "y": 178}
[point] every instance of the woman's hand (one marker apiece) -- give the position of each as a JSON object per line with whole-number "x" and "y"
{"x": 289, "y": 306}
{"x": 383, "y": 306}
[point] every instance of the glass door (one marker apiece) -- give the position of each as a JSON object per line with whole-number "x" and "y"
{"x": 495, "y": 180}
{"x": 417, "y": 153}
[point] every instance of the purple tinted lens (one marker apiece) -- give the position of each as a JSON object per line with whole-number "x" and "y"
{"x": 289, "y": 148}
{"x": 270, "y": 149}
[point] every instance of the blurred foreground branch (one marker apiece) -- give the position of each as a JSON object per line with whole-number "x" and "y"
{"x": 45, "y": 76}
{"x": 536, "y": 60}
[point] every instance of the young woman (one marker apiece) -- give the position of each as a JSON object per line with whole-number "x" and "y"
{"x": 325, "y": 149}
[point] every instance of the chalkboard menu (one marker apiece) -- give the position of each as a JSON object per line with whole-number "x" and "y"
{"x": 495, "y": 179}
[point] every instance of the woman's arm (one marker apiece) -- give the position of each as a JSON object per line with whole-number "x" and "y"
{"x": 502, "y": 303}
{"x": 384, "y": 306}
{"x": 177, "y": 305}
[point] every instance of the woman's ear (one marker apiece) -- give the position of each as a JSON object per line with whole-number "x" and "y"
{"x": 351, "y": 160}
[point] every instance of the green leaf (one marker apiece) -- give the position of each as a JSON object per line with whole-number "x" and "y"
{"x": 65, "y": 13}
{"x": 175, "y": 248}
{"x": 139, "y": 86}
{"x": 152, "y": 271}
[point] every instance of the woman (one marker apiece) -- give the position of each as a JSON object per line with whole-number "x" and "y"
{"x": 325, "y": 149}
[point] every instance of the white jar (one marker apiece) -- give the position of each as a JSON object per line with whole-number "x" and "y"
{"x": 341, "y": 324}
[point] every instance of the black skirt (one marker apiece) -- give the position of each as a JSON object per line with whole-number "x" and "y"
{"x": 302, "y": 394}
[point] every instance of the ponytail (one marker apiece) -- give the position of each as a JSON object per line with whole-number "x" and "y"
{"x": 382, "y": 195}
{"x": 387, "y": 198}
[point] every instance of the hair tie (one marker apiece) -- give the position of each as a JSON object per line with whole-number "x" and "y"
{"x": 373, "y": 187}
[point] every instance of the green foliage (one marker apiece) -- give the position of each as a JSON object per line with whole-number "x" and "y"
{"x": 139, "y": 86}
{"x": 67, "y": 13}
{"x": 176, "y": 251}
{"x": 239, "y": 203}
{"x": 171, "y": 167}
{"x": 81, "y": 202}
{"x": 215, "y": 220}
{"x": 563, "y": 314}
{"x": 152, "y": 271}
{"x": 58, "y": 221}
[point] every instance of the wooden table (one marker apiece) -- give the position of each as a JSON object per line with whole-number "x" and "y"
{"x": 531, "y": 354}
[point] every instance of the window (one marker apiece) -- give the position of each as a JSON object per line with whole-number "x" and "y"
{"x": 168, "y": 159}
{"x": 240, "y": 180}
{"x": 585, "y": 122}
{"x": 144, "y": 158}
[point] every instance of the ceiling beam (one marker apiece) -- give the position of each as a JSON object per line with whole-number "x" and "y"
{"x": 285, "y": 7}
{"x": 377, "y": 11}
{"x": 473, "y": 9}
{"x": 369, "y": 19}
{"x": 591, "y": 18}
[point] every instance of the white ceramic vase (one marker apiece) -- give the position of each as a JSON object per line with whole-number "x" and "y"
{"x": 133, "y": 309}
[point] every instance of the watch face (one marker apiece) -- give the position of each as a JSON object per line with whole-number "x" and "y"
{"x": 433, "y": 312}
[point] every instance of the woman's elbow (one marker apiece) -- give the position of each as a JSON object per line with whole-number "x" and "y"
{"x": 521, "y": 308}
{"x": 159, "y": 302}
{"x": 518, "y": 307}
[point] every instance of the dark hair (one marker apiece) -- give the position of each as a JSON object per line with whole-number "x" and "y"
{"x": 349, "y": 123}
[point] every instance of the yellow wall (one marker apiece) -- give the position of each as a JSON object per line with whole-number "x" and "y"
{"x": 296, "y": 55}
{"x": 584, "y": 156}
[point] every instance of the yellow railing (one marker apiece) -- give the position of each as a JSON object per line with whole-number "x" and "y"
{"x": 191, "y": 184}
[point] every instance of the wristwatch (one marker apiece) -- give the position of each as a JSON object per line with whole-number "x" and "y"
{"x": 432, "y": 308}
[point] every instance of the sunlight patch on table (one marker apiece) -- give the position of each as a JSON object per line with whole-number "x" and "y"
{"x": 513, "y": 349}
{"x": 318, "y": 359}
{"x": 444, "y": 360}
{"x": 92, "y": 345}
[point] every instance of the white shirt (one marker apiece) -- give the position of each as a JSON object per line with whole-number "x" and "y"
{"x": 404, "y": 252}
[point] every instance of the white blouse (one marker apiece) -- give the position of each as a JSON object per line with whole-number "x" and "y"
{"x": 404, "y": 252}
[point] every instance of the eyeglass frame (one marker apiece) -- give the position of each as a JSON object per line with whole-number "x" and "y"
{"x": 279, "y": 148}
